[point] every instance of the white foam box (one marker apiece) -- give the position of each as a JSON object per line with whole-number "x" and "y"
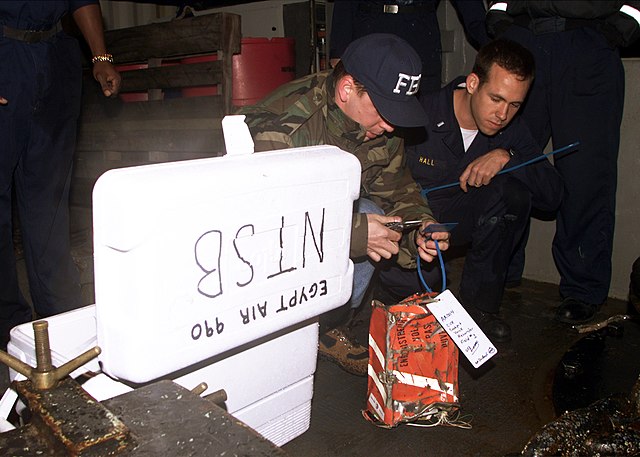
{"x": 269, "y": 382}
{"x": 215, "y": 271}
{"x": 196, "y": 258}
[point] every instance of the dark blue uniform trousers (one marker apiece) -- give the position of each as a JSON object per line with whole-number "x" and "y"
{"x": 491, "y": 220}
{"x": 578, "y": 95}
{"x": 42, "y": 82}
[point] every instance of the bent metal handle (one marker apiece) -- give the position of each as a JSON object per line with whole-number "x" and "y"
{"x": 45, "y": 376}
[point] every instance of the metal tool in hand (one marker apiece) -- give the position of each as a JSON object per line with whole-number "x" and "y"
{"x": 402, "y": 226}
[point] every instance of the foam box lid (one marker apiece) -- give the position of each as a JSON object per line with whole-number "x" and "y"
{"x": 196, "y": 257}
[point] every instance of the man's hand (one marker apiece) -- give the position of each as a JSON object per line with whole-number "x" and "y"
{"x": 481, "y": 171}
{"x": 427, "y": 244}
{"x": 108, "y": 77}
{"x": 89, "y": 20}
{"x": 382, "y": 241}
{"x": 3, "y": 101}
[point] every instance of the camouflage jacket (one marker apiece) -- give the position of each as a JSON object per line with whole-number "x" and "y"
{"x": 304, "y": 113}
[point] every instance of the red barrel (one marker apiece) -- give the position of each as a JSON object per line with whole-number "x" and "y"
{"x": 262, "y": 65}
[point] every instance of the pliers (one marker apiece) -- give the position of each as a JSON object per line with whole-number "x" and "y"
{"x": 404, "y": 225}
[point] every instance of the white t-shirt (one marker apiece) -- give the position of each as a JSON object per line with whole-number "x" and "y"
{"x": 467, "y": 137}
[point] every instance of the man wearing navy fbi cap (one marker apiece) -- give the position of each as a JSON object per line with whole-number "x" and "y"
{"x": 356, "y": 107}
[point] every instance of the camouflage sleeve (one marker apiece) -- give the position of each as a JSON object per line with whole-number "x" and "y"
{"x": 287, "y": 117}
{"x": 267, "y": 136}
{"x": 396, "y": 192}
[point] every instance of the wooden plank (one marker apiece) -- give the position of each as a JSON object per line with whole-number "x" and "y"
{"x": 154, "y": 93}
{"x": 204, "y": 34}
{"x": 106, "y": 109}
{"x": 179, "y": 139}
{"x": 231, "y": 35}
{"x": 151, "y": 127}
{"x": 175, "y": 76}
{"x": 169, "y": 82}
{"x": 90, "y": 165}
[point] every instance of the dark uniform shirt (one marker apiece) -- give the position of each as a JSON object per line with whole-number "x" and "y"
{"x": 37, "y": 15}
{"x": 618, "y": 21}
{"x": 304, "y": 113}
{"x": 440, "y": 159}
{"x": 415, "y": 21}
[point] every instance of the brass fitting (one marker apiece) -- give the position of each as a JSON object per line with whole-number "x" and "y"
{"x": 45, "y": 376}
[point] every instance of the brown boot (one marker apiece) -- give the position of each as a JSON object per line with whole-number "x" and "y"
{"x": 338, "y": 347}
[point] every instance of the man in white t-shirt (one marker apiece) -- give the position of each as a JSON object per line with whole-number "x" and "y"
{"x": 471, "y": 138}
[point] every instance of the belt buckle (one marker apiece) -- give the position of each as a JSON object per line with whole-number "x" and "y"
{"x": 32, "y": 36}
{"x": 391, "y": 9}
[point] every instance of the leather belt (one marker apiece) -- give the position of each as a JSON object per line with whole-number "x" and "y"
{"x": 30, "y": 36}
{"x": 552, "y": 24}
{"x": 397, "y": 9}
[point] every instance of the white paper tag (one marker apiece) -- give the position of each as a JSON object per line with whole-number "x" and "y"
{"x": 462, "y": 329}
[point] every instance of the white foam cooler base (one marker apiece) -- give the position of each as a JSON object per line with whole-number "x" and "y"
{"x": 269, "y": 383}
{"x": 249, "y": 374}
{"x": 289, "y": 413}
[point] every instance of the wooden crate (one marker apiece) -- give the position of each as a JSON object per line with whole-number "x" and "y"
{"x": 114, "y": 133}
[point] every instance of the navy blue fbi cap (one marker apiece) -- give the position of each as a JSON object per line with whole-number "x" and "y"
{"x": 390, "y": 71}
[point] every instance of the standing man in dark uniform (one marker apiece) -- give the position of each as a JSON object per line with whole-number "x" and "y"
{"x": 475, "y": 134}
{"x": 578, "y": 95}
{"x": 40, "y": 87}
{"x": 414, "y": 20}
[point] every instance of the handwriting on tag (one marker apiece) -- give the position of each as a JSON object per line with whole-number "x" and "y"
{"x": 462, "y": 329}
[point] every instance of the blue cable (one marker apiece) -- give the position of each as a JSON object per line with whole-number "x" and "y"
{"x": 424, "y": 283}
{"x": 445, "y": 186}
{"x": 506, "y": 170}
{"x": 442, "y": 269}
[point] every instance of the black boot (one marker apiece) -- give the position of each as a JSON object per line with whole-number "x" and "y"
{"x": 496, "y": 329}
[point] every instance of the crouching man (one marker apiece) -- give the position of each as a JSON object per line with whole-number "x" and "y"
{"x": 356, "y": 107}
